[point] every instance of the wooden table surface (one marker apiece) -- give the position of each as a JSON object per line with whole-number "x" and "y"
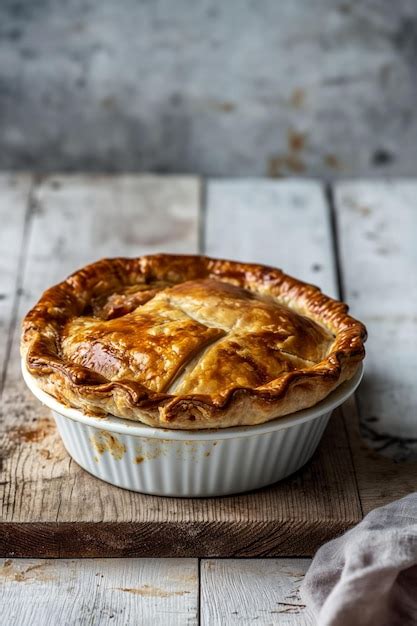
{"x": 357, "y": 239}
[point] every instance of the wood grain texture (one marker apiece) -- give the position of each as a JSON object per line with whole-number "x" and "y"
{"x": 14, "y": 207}
{"x": 377, "y": 234}
{"x": 283, "y": 223}
{"x": 377, "y": 226}
{"x": 51, "y": 507}
{"x": 73, "y": 221}
{"x": 261, "y": 591}
{"x": 287, "y": 224}
{"x": 97, "y": 592}
{"x": 293, "y": 517}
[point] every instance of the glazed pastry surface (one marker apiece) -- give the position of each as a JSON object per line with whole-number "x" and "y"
{"x": 189, "y": 342}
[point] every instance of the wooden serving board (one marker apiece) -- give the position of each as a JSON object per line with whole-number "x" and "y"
{"x": 50, "y": 507}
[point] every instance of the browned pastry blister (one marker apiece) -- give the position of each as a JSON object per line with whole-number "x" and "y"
{"x": 189, "y": 342}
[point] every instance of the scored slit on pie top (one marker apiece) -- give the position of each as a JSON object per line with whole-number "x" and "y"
{"x": 189, "y": 341}
{"x": 201, "y": 336}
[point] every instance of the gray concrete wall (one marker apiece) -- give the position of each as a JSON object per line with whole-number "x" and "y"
{"x": 239, "y": 87}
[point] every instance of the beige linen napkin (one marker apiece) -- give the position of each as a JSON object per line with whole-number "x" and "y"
{"x": 368, "y": 576}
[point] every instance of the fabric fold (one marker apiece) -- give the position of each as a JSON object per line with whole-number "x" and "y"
{"x": 368, "y": 576}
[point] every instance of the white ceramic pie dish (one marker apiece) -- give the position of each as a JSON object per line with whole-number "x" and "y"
{"x": 194, "y": 463}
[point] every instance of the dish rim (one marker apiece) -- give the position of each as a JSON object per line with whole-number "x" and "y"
{"x": 129, "y": 427}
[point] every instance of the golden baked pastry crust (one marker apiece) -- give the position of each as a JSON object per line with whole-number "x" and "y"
{"x": 189, "y": 342}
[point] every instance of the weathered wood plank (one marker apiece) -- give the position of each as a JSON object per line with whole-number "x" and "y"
{"x": 14, "y": 206}
{"x": 44, "y": 510}
{"x": 281, "y": 223}
{"x": 293, "y": 517}
{"x": 74, "y": 220}
{"x": 78, "y": 219}
{"x": 288, "y": 224}
{"x": 377, "y": 226}
{"x": 45, "y": 495}
{"x": 265, "y": 591}
{"x": 99, "y": 591}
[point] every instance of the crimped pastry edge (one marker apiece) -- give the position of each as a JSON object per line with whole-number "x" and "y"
{"x": 76, "y": 386}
